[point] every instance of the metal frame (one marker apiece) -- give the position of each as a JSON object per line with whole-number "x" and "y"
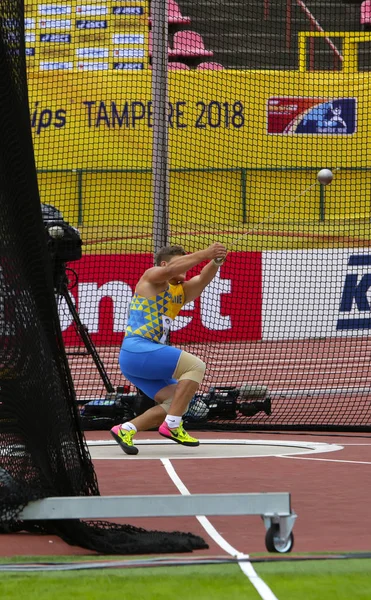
{"x": 274, "y": 508}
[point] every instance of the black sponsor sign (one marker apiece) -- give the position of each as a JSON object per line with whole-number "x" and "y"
{"x": 128, "y": 10}
{"x": 62, "y": 38}
{"x": 122, "y": 66}
{"x": 86, "y": 24}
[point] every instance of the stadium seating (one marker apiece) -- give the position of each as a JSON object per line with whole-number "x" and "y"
{"x": 189, "y": 43}
{"x": 365, "y": 19}
{"x": 212, "y": 66}
{"x": 174, "y": 66}
{"x": 175, "y": 16}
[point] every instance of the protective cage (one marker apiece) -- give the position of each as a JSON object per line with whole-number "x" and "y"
{"x": 213, "y": 128}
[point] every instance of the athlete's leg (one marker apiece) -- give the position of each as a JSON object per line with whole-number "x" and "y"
{"x": 140, "y": 369}
{"x": 154, "y": 416}
{"x": 151, "y": 418}
{"x": 189, "y": 372}
{"x": 184, "y": 392}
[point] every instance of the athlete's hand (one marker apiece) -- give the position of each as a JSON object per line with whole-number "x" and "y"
{"x": 216, "y": 251}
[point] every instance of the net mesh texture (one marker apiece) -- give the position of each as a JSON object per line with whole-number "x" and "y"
{"x": 42, "y": 448}
{"x": 260, "y": 98}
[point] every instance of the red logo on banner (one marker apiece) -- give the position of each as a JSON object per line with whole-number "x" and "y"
{"x": 230, "y": 308}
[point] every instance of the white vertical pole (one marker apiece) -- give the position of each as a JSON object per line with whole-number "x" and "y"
{"x": 160, "y": 159}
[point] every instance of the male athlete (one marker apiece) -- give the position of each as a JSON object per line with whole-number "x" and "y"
{"x": 166, "y": 374}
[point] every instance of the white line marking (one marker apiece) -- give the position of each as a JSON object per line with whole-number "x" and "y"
{"x": 304, "y": 447}
{"x": 353, "y": 462}
{"x": 123, "y": 456}
{"x": 223, "y": 442}
{"x": 261, "y": 587}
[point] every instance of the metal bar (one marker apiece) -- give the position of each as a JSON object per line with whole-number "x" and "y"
{"x": 319, "y": 29}
{"x": 311, "y": 49}
{"x": 209, "y": 169}
{"x": 244, "y": 195}
{"x": 357, "y": 36}
{"x": 322, "y": 202}
{"x": 97, "y": 507}
{"x": 160, "y": 159}
{"x": 320, "y": 391}
{"x": 266, "y": 9}
{"x": 80, "y": 211}
{"x": 288, "y": 24}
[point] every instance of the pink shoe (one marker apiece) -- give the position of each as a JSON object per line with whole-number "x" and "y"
{"x": 177, "y": 435}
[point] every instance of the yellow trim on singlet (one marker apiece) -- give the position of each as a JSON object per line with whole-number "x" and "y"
{"x": 146, "y": 315}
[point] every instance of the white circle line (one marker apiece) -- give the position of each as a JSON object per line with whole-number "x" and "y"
{"x": 296, "y": 448}
{"x": 216, "y": 457}
{"x": 309, "y": 447}
{"x": 334, "y": 460}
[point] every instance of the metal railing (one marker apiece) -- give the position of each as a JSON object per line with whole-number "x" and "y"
{"x": 315, "y": 25}
{"x": 243, "y": 171}
{"x": 350, "y": 47}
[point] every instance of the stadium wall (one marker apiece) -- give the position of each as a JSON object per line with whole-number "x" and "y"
{"x": 225, "y": 128}
{"x": 311, "y": 293}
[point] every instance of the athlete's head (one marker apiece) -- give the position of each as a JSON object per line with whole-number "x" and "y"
{"x": 165, "y": 255}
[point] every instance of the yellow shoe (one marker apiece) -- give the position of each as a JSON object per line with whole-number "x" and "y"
{"x": 125, "y": 439}
{"x": 177, "y": 435}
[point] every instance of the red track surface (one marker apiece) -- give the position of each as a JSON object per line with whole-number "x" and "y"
{"x": 330, "y": 494}
{"x": 296, "y": 364}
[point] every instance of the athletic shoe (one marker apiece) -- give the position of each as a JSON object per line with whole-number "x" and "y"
{"x": 125, "y": 439}
{"x": 177, "y": 435}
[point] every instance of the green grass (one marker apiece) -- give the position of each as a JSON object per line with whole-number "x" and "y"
{"x": 348, "y": 579}
{"x": 161, "y": 583}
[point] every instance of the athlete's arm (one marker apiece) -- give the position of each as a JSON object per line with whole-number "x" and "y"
{"x": 180, "y": 264}
{"x": 195, "y": 286}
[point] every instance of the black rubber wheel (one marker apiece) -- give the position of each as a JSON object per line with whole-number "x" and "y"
{"x": 274, "y": 544}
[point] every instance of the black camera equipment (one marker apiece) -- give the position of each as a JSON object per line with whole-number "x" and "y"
{"x": 219, "y": 403}
{"x": 65, "y": 245}
{"x": 229, "y": 403}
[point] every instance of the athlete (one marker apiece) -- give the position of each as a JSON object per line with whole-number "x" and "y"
{"x": 166, "y": 374}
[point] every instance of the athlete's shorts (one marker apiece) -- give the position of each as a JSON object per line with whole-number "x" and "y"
{"x": 151, "y": 366}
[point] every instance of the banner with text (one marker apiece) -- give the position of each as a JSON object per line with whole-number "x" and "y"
{"x": 316, "y": 293}
{"x": 229, "y": 309}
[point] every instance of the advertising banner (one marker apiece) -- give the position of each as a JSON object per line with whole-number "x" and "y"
{"x": 316, "y": 293}
{"x": 229, "y": 308}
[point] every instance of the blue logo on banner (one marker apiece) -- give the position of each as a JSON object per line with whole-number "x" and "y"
{"x": 55, "y": 37}
{"x": 355, "y": 291}
{"x": 336, "y": 117}
{"x": 84, "y": 24}
{"x": 128, "y": 10}
{"x": 122, "y": 66}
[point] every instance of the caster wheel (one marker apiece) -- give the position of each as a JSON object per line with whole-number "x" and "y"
{"x": 274, "y": 544}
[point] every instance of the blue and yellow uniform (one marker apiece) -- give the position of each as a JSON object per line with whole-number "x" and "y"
{"x": 151, "y": 318}
{"x": 145, "y": 359}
